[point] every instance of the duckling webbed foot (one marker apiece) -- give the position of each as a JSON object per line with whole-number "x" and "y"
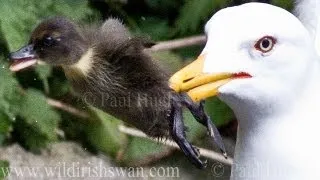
{"x": 200, "y": 115}
{"x": 177, "y": 131}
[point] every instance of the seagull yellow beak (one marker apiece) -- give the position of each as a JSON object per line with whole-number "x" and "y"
{"x": 197, "y": 84}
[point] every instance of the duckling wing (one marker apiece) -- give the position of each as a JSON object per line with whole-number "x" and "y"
{"x": 113, "y": 28}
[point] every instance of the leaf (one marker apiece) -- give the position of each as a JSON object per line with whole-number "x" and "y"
{"x": 288, "y": 5}
{"x": 5, "y": 123}
{"x": 59, "y": 87}
{"x": 9, "y": 100}
{"x": 169, "y": 60}
{"x": 194, "y": 129}
{"x": 219, "y": 112}
{"x": 156, "y": 28}
{"x": 44, "y": 71}
{"x": 140, "y": 148}
{"x": 103, "y": 133}
{"x": 38, "y": 113}
{"x": 40, "y": 121}
{"x": 163, "y": 6}
{"x": 9, "y": 92}
{"x": 4, "y": 166}
{"x": 2, "y": 138}
{"x": 3, "y": 43}
{"x": 196, "y": 12}
{"x": 29, "y": 136}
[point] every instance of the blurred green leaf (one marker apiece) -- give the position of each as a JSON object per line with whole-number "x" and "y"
{"x": 103, "y": 133}
{"x": 9, "y": 100}
{"x": 44, "y": 71}
{"x": 157, "y": 28}
{"x": 4, "y": 165}
{"x": 9, "y": 92}
{"x": 39, "y": 119}
{"x": 3, "y": 43}
{"x": 196, "y": 12}
{"x": 141, "y": 148}
{"x": 2, "y": 138}
{"x": 59, "y": 87}
{"x": 38, "y": 113}
{"x": 169, "y": 60}
{"x": 194, "y": 129}
{"x": 219, "y": 112}
{"x": 5, "y": 123}
{"x": 163, "y": 5}
{"x": 286, "y": 4}
{"x": 29, "y": 136}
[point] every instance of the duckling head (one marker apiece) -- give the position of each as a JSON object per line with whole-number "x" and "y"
{"x": 56, "y": 41}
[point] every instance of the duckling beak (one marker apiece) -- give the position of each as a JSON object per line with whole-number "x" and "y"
{"x": 200, "y": 85}
{"x": 23, "y": 58}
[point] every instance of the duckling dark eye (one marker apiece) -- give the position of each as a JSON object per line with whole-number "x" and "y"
{"x": 48, "y": 41}
{"x": 265, "y": 44}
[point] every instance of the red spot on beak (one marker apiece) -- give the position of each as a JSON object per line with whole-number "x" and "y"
{"x": 241, "y": 75}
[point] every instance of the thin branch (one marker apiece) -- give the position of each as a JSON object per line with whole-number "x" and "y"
{"x": 152, "y": 158}
{"x": 60, "y": 105}
{"x": 204, "y": 152}
{"x": 134, "y": 132}
{"x": 179, "y": 43}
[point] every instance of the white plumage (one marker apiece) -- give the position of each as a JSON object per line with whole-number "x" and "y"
{"x": 308, "y": 11}
{"x": 278, "y": 107}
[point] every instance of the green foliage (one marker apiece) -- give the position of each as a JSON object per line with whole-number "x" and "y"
{"x": 38, "y": 114}
{"x": 163, "y": 5}
{"x": 154, "y": 27}
{"x": 286, "y": 4}
{"x": 3, "y": 166}
{"x": 140, "y": 148}
{"x": 8, "y": 92}
{"x": 27, "y": 113}
{"x": 219, "y": 112}
{"x": 19, "y": 17}
{"x": 169, "y": 60}
{"x": 103, "y": 133}
{"x": 38, "y": 123}
{"x": 9, "y": 100}
{"x": 44, "y": 73}
{"x": 195, "y": 12}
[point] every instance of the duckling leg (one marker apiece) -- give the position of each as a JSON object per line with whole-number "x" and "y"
{"x": 179, "y": 136}
{"x": 200, "y": 115}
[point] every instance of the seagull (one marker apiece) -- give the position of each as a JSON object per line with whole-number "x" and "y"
{"x": 261, "y": 61}
{"x": 308, "y": 11}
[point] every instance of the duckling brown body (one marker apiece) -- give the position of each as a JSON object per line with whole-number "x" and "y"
{"x": 123, "y": 80}
{"x": 111, "y": 71}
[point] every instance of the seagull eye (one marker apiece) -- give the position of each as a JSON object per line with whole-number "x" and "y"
{"x": 265, "y": 44}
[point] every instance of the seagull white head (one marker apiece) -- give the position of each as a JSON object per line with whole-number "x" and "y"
{"x": 308, "y": 11}
{"x": 261, "y": 61}
{"x": 255, "y": 54}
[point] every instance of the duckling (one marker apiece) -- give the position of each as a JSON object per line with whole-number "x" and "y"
{"x": 111, "y": 70}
